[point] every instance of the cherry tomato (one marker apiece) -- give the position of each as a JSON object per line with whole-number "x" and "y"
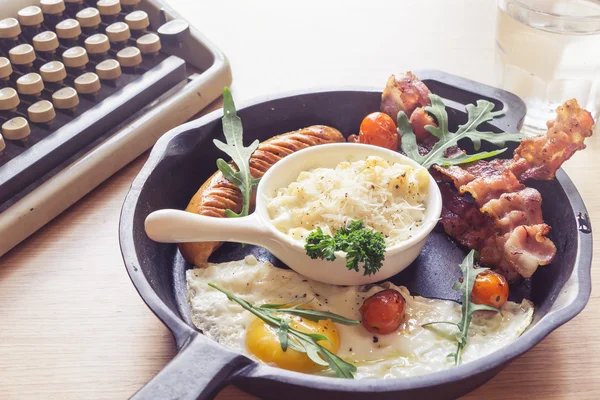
{"x": 490, "y": 288}
{"x": 383, "y": 312}
{"x": 380, "y": 130}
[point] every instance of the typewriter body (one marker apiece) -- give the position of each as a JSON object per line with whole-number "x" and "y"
{"x": 85, "y": 87}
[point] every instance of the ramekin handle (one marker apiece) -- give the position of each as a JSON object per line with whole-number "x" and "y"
{"x": 176, "y": 226}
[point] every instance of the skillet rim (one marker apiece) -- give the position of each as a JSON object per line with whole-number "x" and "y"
{"x": 183, "y": 333}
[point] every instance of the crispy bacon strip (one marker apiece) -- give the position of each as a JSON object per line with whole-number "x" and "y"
{"x": 404, "y": 93}
{"x": 514, "y": 237}
{"x": 512, "y": 210}
{"x": 483, "y": 180}
{"x": 519, "y": 252}
{"x": 540, "y": 157}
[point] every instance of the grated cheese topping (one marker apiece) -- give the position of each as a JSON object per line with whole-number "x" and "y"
{"x": 389, "y": 198}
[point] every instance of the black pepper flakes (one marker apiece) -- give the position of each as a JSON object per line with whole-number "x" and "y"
{"x": 375, "y": 339}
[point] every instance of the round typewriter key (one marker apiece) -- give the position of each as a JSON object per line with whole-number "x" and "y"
{"x": 68, "y": 29}
{"x": 53, "y": 72}
{"x": 89, "y": 18}
{"x": 149, "y": 44}
{"x": 2, "y": 144}
{"x": 22, "y": 54}
{"x": 41, "y": 112}
{"x": 16, "y": 128}
{"x": 88, "y": 83}
{"x": 65, "y": 98}
{"x": 109, "y": 8}
{"x": 108, "y": 70}
{"x": 52, "y": 7}
{"x": 75, "y": 57}
{"x": 45, "y": 42}
{"x": 5, "y": 68}
{"x": 137, "y": 20}
{"x": 118, "y": 32}
{"x": 30, "y": 84}
{"x": 31, "y": 16}
{"x": 129, "y": 57}
{"x": 9, "y": 99}
{"x": 9, "y": 28}
{"x": 97, "y": 44}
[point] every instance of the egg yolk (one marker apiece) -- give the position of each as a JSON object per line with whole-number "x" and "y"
{"x": 262, "y": 341}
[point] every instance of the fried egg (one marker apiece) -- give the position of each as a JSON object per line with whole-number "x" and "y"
{"x": 410, "y": 350}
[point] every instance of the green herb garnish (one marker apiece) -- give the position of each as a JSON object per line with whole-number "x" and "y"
{"x": 295, "y": 339}
{"x": 477, "y": 115}
{"x": 360, "y": 244}
{"x": 468, "y": 307}
{"x": 240, "y": 155}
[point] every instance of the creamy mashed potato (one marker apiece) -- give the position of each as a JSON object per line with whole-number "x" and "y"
{"x": 389, "y": 198}
{"x": 411, "y": 350}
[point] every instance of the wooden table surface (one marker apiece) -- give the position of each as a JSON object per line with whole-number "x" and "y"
{"x": 72, "y": 325}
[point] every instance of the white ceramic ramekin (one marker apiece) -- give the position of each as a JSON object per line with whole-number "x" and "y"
{"x": 175, "y": 226}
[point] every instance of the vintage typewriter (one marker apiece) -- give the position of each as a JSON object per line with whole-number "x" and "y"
{"x": 85, "y": 87}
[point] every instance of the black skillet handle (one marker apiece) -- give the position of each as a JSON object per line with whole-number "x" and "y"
{"x": 458, "y": 92}
{"x": 199, "y": 371}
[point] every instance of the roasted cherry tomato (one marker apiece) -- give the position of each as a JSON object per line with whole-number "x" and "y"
{"x": 380, "y": 130}
{"x": 490, "y": 288}
{"x": 383, "y": 312}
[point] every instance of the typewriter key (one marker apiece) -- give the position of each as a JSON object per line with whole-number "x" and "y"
{"x": 5, "y": 69}
{"x": 41, "y": 112}
{"x": 149, "y": 44}
{"x": 108, "y": 70}
{"x": 65, "y": 98}
{"x": 88, "y": 83}
{"x": 89, "y": 19}
{"x": 30, "y": 84}
{"x": 129, "y": 57}
{"x": 75, "y": 57}
{"x": 53, "y": 72}
{"x": 16, "y": 129}
{"x": 9, "y": 99}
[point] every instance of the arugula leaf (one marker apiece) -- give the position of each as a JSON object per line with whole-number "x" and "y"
{"x": 279, "y": 305}
{"x": 477, "y": 115}
{"x": 314, "y": 315}
{"x": 294, "y": 339}
{"x": 469, "y": 273}
{"x": 282, "y": 333}
{"x": 338, "y": 367}
{"x": 240, "y": 155}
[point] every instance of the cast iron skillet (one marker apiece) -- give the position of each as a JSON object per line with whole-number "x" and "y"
{"x": 183, "y": 158}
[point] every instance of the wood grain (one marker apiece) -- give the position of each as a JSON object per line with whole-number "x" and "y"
{"x": 72, "y": 325}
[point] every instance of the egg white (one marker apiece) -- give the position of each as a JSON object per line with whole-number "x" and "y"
{"x": 411, "y": 350}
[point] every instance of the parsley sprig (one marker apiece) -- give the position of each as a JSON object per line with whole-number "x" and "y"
{"x": 477, "y": 115}
{"x": 468, "y": 307}
{"x": 294, "y": 339}
{"x": 360, "y": 244}
{"x": 240, "y": 155}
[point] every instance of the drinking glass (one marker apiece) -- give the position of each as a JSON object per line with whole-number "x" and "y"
{"x": 547, "y": 52}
